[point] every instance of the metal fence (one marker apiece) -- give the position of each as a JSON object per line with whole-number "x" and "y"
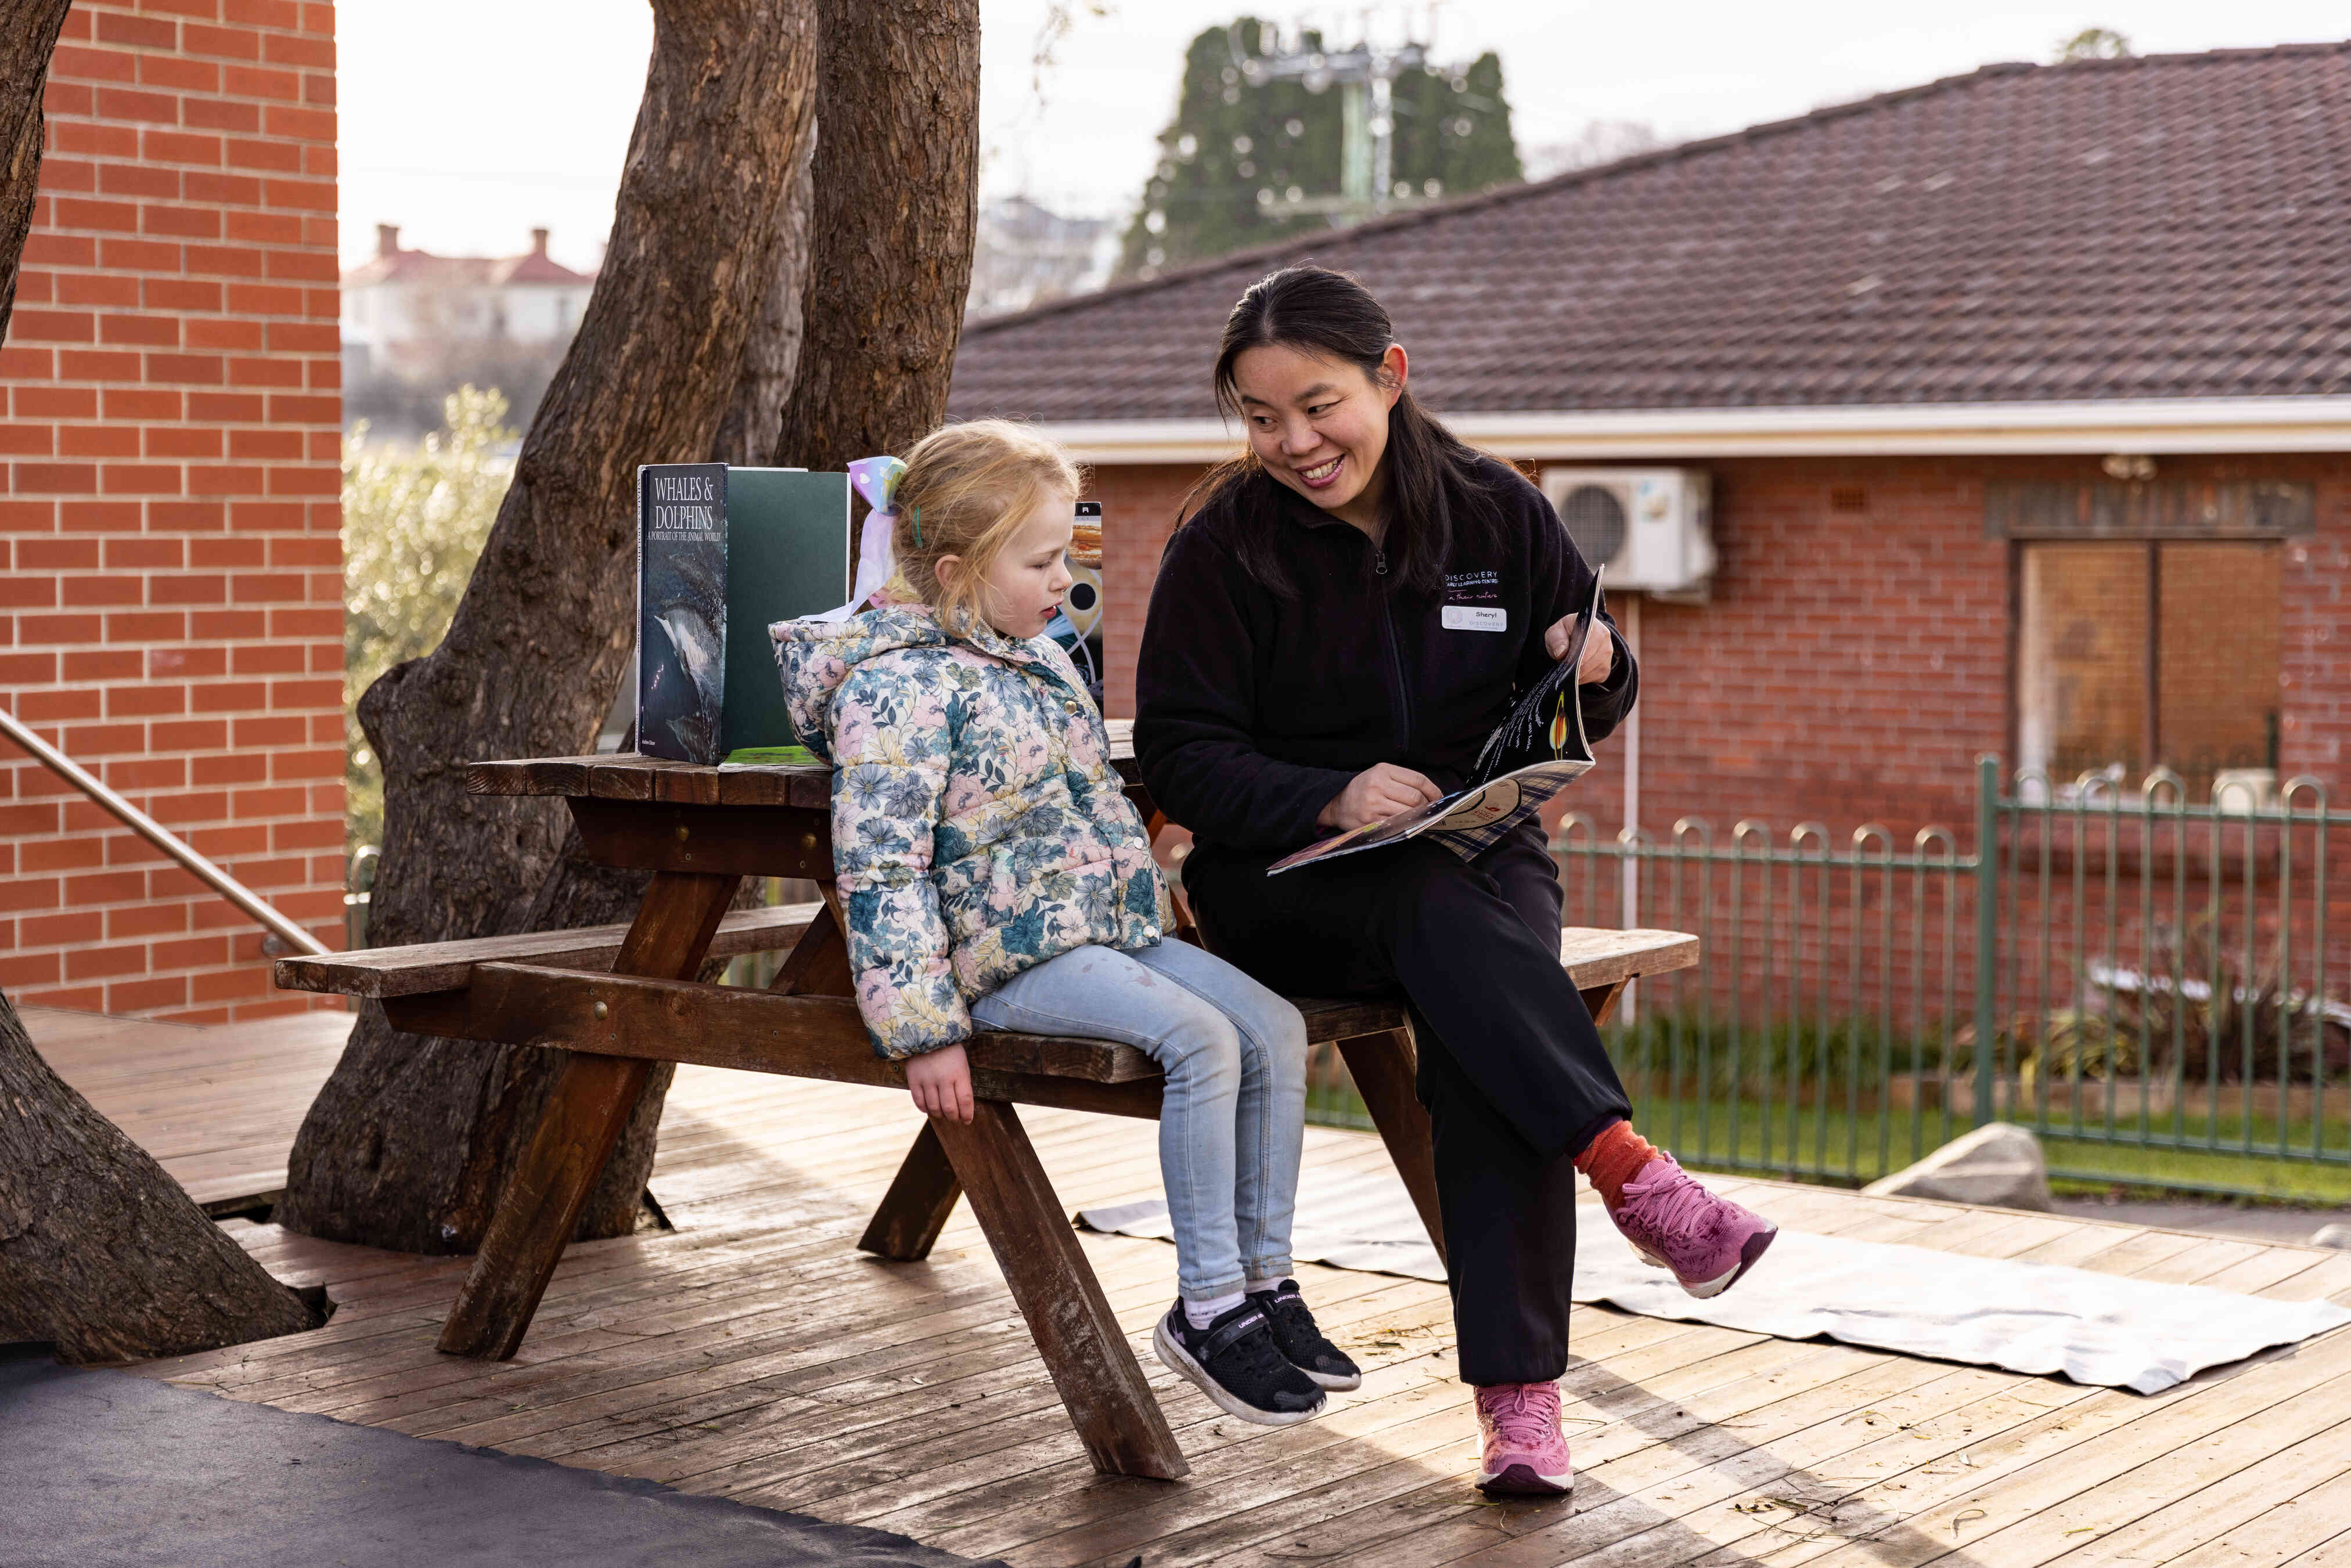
{"x": 2161, "y": 989}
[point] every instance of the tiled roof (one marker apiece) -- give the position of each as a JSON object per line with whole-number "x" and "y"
{"x": 2168, "y": 226}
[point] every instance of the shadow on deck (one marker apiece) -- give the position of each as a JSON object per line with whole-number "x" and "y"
{"x": 752, "y": 1352}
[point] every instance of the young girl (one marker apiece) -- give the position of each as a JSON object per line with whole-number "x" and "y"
{"x": 995, "y": 875}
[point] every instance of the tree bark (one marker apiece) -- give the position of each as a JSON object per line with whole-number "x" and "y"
{"x": 410, "y": 1140}
{"x": 897, "y": 158}
{"x": 101, "y": 1251}
{"x": 747, "y": 436}
{"x": 29, "y": 37}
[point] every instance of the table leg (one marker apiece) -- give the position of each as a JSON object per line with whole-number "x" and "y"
{"x": 818, "y": 965}
{"x": 585, "y": 1112}
{"x": 1382, "y": 1066}
{"x": 1094, "y": 1370}
{"x": 915, "y": 1209}
{"x": 1601, "y": 1000}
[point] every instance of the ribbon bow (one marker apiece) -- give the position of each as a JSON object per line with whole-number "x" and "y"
{"x": 876, "y": 479}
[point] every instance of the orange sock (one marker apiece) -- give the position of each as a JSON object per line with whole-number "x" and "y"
{"x": 1613, "y": 1159}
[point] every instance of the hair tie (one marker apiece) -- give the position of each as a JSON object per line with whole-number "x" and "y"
{"x": 918, "y": 527}
{"x": 876, "y": 479}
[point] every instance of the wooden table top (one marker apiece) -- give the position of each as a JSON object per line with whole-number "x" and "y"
{"x": 623, "y": 776}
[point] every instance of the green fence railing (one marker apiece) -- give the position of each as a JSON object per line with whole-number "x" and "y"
{"x": 2155, "y": 988}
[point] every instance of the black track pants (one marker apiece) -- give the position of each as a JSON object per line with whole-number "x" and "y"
{"x": 1511, "y": 1069}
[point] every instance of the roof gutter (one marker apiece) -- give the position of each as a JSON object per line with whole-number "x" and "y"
{"x": 2148, "y": 425}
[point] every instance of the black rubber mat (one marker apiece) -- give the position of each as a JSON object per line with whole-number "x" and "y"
{"x": 103, "y": 1469}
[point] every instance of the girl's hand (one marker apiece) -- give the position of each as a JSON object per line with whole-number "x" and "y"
{"x": 1377, "y": 794}
{"x": 1599, "y": 661}
{"x": 941, "y": 1083}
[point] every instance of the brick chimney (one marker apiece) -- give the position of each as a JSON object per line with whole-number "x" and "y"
{"x": 538, "y": 242}
{"x": 387, "y": 240}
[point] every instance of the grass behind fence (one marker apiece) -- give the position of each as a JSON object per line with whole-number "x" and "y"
{"x": 1849, "y": 1102}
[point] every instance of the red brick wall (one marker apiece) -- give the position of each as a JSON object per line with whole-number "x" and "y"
{"x": 170, "y": 575}
{"x": 1852, "y": 663}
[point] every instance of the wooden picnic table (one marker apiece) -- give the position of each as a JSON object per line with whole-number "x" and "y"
{"x": 620, "y": 998}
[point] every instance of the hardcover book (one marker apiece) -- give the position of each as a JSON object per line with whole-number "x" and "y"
{"x": 723, "y": 551}
{"x": 681, "y": 608}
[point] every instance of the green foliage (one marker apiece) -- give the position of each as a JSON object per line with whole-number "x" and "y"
{"x": 413, "y": 523}
{"x": 2095, "y": 44}
{"x": 1238, "y": 157}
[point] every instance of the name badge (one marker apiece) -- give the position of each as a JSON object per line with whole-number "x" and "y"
{"x": 1475, "y": 617}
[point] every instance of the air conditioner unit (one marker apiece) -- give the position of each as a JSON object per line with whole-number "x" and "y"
{"x": 1653, "y": 528}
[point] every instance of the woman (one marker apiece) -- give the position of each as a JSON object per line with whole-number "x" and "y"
{"x": 1342, "y": 619}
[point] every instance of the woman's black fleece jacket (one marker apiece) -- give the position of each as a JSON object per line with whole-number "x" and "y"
{"x": 1253, "y": 711}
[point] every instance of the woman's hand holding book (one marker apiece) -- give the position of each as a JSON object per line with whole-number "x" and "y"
{"x": 1599, "y": 661}
{"x": 1378, "y": 792}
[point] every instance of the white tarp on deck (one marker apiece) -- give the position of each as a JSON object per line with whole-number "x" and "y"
{"x": 2034, "y": 1318}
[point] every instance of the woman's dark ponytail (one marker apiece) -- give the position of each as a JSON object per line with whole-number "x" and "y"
{"x": 1435, "y": 488}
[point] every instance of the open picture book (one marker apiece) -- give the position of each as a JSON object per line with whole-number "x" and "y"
{"x": 1533, "y": 754}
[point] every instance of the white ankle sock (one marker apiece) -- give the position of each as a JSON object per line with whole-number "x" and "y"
{"x": 1200, "y": 1314}
{"x": 1254, "y": 1286}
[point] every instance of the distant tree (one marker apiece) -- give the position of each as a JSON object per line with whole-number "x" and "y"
{"x": 2095, "y": 44}
{"x": 414, "y": 518}
{"x": 1239, "y": 157}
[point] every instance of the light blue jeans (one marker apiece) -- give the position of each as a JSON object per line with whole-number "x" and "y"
{"x": 1234, "y": 1114}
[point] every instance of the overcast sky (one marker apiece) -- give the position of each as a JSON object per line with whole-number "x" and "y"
{"x": 467, "y": 122}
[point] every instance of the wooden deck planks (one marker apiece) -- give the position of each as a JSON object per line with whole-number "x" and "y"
{"x": 753, "y": 1352}
{"x": 217, "y": 1106}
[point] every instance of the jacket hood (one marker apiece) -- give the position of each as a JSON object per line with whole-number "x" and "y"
{"x": 815, "y": 656}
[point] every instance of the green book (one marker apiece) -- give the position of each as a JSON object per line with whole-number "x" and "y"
{"x": 787, "y": 556}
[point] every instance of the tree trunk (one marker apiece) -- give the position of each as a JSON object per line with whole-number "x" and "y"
{"x": 29, "y": 37}
{"x": 101, "y": 1251}
{"x": 897, "y": 157}
{"x": 747, "y": 436}
{"x": 410, "y": 1140}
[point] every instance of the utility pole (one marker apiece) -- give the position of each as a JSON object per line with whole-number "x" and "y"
{"x": 1365, "y": 74}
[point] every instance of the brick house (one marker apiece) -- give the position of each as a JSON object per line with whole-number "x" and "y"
{"x": 1993, "y": 380}
{"x": 169, "y": 549}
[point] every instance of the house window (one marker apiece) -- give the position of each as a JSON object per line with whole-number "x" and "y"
{"x": 2148, "y": 652}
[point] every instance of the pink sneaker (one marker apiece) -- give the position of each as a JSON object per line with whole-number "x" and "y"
{"x": 1671, "y": 1221}
{"x": 1521, "y": 1452}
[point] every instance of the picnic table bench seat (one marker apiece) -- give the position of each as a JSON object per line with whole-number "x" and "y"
{"x": 619, "y": 998}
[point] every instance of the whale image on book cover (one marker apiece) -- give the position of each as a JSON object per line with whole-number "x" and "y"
{"x": 721, "y": 546}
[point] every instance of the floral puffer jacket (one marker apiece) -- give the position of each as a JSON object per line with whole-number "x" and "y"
{"x": 978, "y": 827}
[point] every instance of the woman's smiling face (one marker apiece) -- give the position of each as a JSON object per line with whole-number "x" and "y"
{"x": 1320, "y": 425}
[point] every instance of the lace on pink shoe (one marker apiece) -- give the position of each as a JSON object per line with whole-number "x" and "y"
{"x": 1525, "y": 1414}
{"x": 1683, "y": 1205}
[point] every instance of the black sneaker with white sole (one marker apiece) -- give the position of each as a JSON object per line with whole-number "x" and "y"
{"x": 1301, "y": 1343}
{"x": 1237, "y": 1364}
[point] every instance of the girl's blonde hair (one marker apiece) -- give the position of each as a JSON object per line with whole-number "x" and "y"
{"x": 966, "y": 489}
